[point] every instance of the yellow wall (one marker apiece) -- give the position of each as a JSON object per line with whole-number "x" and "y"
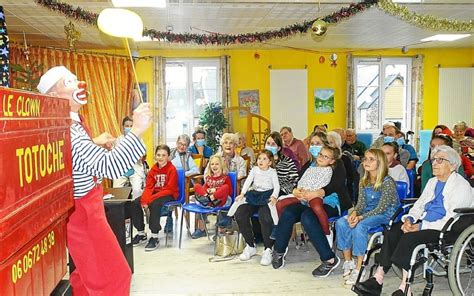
{"x": 248, "y": 72}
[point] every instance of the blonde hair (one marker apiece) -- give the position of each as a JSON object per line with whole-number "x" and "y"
{"x": 230, "y": 137}
{"x": 222, "y": 163}
{"x": 382, "y": 169}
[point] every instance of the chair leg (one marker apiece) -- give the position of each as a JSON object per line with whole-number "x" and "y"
{"x": 181, "y": 227}
{"x": 205, "y": 227}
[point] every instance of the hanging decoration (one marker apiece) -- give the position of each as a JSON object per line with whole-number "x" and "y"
{"x": 424, "y": 20}
{"x": 26, "y": 76}
{"x": 72, "y": 35}
{"x": 322, "y": 59}
{"x": 402, "y": 12}
{"x": 333, "y": 59}
{"x": 319, "y": 27}
{"x": 4, "y": 52}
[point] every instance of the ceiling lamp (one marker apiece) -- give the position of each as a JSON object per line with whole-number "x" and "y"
{"x": 120, "y": 23}
{"x": 445, "y": 37}
{"x": 139, "y": 3}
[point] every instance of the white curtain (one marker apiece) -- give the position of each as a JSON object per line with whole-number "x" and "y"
{"x": 225, "y": 80}
{"x": 417, "y": 97}
{"x": 159, "y": 111}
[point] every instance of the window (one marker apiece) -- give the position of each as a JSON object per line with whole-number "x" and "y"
{"x": 190, "y": 85}
{"x": 382, "y": 92}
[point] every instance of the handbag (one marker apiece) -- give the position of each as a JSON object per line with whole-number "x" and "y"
{"x": 227, "y": 246}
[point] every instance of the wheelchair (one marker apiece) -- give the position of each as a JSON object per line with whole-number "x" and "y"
{"x": 452, "y": 256}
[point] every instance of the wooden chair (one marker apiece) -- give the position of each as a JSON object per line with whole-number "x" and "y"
{"x": 242, "y": 179}
{"x": 200, "y": 162}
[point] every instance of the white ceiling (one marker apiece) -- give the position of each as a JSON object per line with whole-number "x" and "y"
{"x": 372, "y": 29}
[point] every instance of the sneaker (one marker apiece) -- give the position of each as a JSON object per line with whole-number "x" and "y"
{"x": 139, "y": 239}
{"x": 347, "y": 268}
{"x": 266, "y": 257}
{"x": 198, "y": 233}
{"x": 248, "y": 253}
{"x": 169, "y": 225}
{"x": 278, "y": 259}
{"x": 330, "y": 238}
{"x": 153, "y": 243}
{"x": 352, "y": 278}
{"x": 325, "y": 268}
{"x": 370, "y": 286}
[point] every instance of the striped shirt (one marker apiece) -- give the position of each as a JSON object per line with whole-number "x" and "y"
{"x": 287, "y": 174}
{"x": 90, "y": 161}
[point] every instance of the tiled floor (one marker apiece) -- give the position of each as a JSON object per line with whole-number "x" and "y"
{"x": 188, "y": 271}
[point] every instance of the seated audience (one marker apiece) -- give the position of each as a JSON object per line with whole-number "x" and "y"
{"x": 395, "y": 169}
{"x": 462, "y": 142}
{"x": 344, "y": 146}
{"x": 161, "y": 187}
{"x": 335, "y": 140}
{"x": 294, "y": 144}
{"x": 199, "y": 146}
{"x": 441, "y": 196}
{"x": 245, "y": 150}
{"x": 181, "y": 157}
{"x": 376, "y": 204}
{"x": 357, "y": 148}
{"x": 317, "y": 128}
{"x": 413, "y": 158}
{"x": 441, "y": 129}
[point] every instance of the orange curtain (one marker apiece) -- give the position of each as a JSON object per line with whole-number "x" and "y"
{"x": 109, "y": 80}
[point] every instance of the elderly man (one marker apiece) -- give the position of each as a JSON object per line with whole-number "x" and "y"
{"x": 445, "y": 192}
{"x": 295, "y": 145}
{"x": 357, "y": 148}
{"x": 101, "y": 268}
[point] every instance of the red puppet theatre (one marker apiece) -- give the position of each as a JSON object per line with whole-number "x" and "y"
{"x": 101, "y": 268}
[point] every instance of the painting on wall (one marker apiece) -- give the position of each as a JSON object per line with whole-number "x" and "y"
{"x": 251, "y": 99}
{"x": 324, "y": 100}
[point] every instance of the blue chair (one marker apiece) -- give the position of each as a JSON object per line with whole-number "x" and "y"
{"x": 425, "y": 139}
{"x": 411, "y": 176}
{"x": 171, "y": 205}
{"x": 366, "y": 138}
{"x": 199, "y": 210}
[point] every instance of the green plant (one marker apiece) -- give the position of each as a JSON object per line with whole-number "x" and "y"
{"x": 213, "y": 122}
{"x": 29, "y": 76}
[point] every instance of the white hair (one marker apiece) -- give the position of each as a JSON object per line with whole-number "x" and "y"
{"x": 232, "y": 137}
{"x": 452, "y": 156}
{"x": 185, "y": 138}
{"x": 336, "y": 138}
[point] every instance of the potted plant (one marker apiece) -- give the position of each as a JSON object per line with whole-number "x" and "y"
{"x": 213, "y": 122}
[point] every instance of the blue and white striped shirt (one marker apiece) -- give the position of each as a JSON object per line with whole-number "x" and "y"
{"x": 89, "y": 160}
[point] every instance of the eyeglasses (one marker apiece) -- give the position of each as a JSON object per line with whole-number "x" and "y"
{"x": 325, "y": 157}
{"x": 438, "y": 160}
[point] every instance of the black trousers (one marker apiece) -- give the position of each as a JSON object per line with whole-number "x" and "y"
{"x": 243, "y": 217}
{"x": 155, "y": 213}
{"x": 398, "y": 246}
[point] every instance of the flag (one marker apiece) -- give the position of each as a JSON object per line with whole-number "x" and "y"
{"x": 4, "y": 52}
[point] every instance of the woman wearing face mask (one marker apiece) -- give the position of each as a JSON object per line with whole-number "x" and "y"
{"x": 200, "y": 147}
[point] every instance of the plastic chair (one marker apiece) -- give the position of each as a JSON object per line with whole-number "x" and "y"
{"x": 171, "y": 205}
{"x": 197, "y": 209}
{"x": 411, "y": 176}
{"x": 366, "y": 138}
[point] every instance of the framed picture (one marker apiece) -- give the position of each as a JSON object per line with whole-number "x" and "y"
{"x": 144, "y": 90}
{"x": 324, "y": 100}
{"x": 251, "y": 99}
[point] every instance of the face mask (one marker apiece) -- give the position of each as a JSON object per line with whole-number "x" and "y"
{"x": 315, "y": 149}
{"x": 272, "y": 149}
{"x": 400, "y": 141}
{"x": 201, "y": 142}
{"x": 388, "y": 139}
{"x": 126, "y": 130}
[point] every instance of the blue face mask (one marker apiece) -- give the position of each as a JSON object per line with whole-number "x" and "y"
{"x": 201, "y": 142}
{"x": 272, "y": 149}
{"x": 315, "y": 149}
{"x": 388, "y": 139}
{"x": 126, "y": 130}
{"x": 400, "y": 141}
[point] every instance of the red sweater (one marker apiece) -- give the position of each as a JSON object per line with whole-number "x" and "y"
{"x": 222, "y": 185}
{"x": 467, "y": 166}
{"x": 160, "y": 182}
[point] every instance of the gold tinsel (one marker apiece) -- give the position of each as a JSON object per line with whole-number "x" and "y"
{"x": 425, "y": 21}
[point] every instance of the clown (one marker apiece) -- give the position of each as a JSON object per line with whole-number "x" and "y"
{"x": 101, "y": 268}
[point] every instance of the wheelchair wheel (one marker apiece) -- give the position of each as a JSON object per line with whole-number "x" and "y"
{"x": 460, "y": 269}
{"x": 418, "y": 276}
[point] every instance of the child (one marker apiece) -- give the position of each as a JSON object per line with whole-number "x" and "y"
{"x": 215, "y": 191}
{"x": 161, "y": 187}
{"x": 315, "y": 177}
{"x": 395, "y": 169}
{"x": 378, "y": 200}
{"x": 265, "y": 188}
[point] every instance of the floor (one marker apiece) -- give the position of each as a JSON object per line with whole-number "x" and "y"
{"x": 187, "y": 271}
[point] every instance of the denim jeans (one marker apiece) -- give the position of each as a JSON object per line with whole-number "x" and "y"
{"x": 295, "y": 213}
{"x": 357, "y": 238}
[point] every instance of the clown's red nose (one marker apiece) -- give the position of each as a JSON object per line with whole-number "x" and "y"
{"x": 82, "y": 84}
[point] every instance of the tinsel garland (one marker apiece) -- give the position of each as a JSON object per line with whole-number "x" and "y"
{"x": 424, "y": 20}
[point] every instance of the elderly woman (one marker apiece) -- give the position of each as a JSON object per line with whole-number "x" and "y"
{"x": 298, "y": 212}
{"x": 244, "y": 149}
{"x": 445, "y": 192}
{"x": 181, "y": 158}
{"x": 234, "y": 162}
{"x": 465, "y": 144}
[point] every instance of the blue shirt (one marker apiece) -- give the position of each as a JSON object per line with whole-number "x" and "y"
{"x": 207, "y": 153}
{"x": 411, "y": 150}
{"x": 435, "y": 209}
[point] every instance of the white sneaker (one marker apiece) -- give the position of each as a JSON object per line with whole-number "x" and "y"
{"x": 330, "y": 238}
{"x": 248, "y": 253}
{"x": 351, "y": 280}
{"x": 266, "y": 257}
{"x": 347, "y": 268}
